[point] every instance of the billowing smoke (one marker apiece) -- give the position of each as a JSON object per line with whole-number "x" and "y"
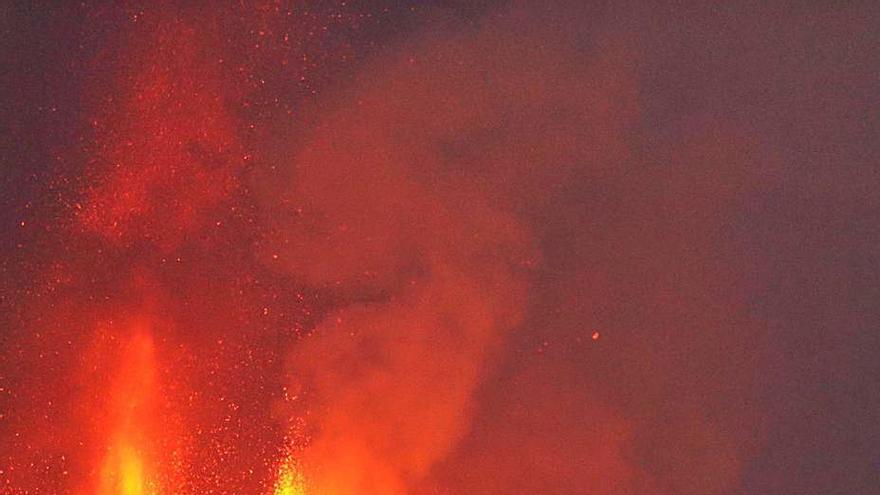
{"x": 553, "y": 180}
{"x": 410, "y": 193}
{"x": 416, "y": 193}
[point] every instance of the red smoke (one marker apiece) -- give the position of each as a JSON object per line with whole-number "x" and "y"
{"x": 407, "y": 192}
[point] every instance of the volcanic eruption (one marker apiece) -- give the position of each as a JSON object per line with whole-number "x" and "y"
{"x": 439, "y": 247}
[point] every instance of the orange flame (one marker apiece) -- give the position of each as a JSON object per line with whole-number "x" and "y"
{"x": 125, "y": 467}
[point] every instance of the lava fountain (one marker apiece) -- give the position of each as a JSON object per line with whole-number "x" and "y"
{"x": 126, "y": 468}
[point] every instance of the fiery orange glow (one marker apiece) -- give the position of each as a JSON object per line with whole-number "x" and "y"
{"x": 126, "y": 468}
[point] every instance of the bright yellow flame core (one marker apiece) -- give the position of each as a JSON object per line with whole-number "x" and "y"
{"x": 124, "y": 474}
{"x": 132, "y": 471}
{"x": 290, "y": 480}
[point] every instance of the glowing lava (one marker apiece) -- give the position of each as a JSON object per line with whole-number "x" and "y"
{"x": 124, "y": 473}
{"x": 290, "y": 480}
{"x": 125, "y": 467}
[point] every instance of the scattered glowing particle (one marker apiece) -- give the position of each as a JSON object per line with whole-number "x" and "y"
{"x": 595, "y": 336}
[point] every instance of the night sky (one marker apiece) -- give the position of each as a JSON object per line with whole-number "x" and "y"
{"x": 439, "y": 247}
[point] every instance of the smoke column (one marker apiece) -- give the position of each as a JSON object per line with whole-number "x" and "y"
{"x": 408, "y": 194}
